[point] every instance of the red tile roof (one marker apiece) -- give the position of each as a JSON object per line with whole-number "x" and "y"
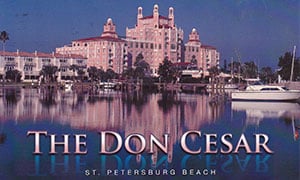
{"x": 7, "y": 53}
{"x": 40, "y": 54}
{"x": 194, "y": 40}
{"x": 99, "y": 38}
{"x": 182, "y": 64}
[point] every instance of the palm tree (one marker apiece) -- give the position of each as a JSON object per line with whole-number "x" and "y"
{"x": 93, "y": 73}
{"x": 4, "y": 37}
{"x": 14, "y": 75}
{"x": 249, "y": 70}
{"x": 48, "y": 72}
{"x": 166, "y": 71}
{"x": 80, "y": 73}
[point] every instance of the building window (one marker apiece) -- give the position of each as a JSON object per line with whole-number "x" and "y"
{"x": 159, "y": 46}
{"x": 9, "y": 58}
{"x": 27, "y": 68}
{"x": 46, "y": 60}
{"x": 136, "y": 45}
{"x": 173, "y": 46}
{"x": 142, "y": 45}
{"x": 151, "y": 45}
{"x": 146, "y": 45}
{"x": 7, "y": 68}
{"x": 28, "y": 59}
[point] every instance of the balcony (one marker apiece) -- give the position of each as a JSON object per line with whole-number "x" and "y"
{"x": 30, "y": 64}
{"x": 11, "y": 63}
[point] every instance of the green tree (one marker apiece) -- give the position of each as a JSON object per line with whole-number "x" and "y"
{"x": 80, "y": 73}
{"x": 141, "y": 67}
{"x": 48, "y": 73}
{"x": 214, "y": 71}
{"x": 166, "y": 71}
{"x": 101, "y": 74}
{"x": 128, "y": 73}
{"x": 139, "y": 58}
{"x": 267, "y": 75}
{"x": 13, "y": 75}
{"x": 4, "y": 37}
{"x": 285, "y": 65}
{"x": 108, "y": 75}
{"x": 93, "y": 73}
{"x": 249, "y": 70}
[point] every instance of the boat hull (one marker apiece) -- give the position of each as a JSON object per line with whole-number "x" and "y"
{"x": 265, "y": 96}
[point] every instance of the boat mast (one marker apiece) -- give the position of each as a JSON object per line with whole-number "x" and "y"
{"x": 293, "y": 61}
{"x": 239, "y": 66}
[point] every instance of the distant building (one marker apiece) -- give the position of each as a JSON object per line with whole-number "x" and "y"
{"x": 106, "y": 51}
{"x": 203, "y": 56}
{"x": 155, "y": 37}
{"x": 30, "y": 64}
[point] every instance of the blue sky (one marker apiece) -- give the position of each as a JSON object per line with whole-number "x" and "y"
{"x": 258, "y": 30}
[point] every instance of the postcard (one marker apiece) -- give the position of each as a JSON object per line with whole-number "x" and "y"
{"x": 154, "y": 89}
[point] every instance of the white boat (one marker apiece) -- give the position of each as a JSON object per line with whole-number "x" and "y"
{"x": 266, "y": 93}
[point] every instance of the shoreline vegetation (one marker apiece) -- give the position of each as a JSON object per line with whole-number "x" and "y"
{"x": 124, "y": 86}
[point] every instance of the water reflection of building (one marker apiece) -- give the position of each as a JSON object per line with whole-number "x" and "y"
{"x": 116, "y": 111}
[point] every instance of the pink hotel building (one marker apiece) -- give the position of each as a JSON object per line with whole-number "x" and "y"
{"x": 154, "y": 36}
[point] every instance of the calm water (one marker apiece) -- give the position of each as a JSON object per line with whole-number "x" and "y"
{"x": 59, "y": 113}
